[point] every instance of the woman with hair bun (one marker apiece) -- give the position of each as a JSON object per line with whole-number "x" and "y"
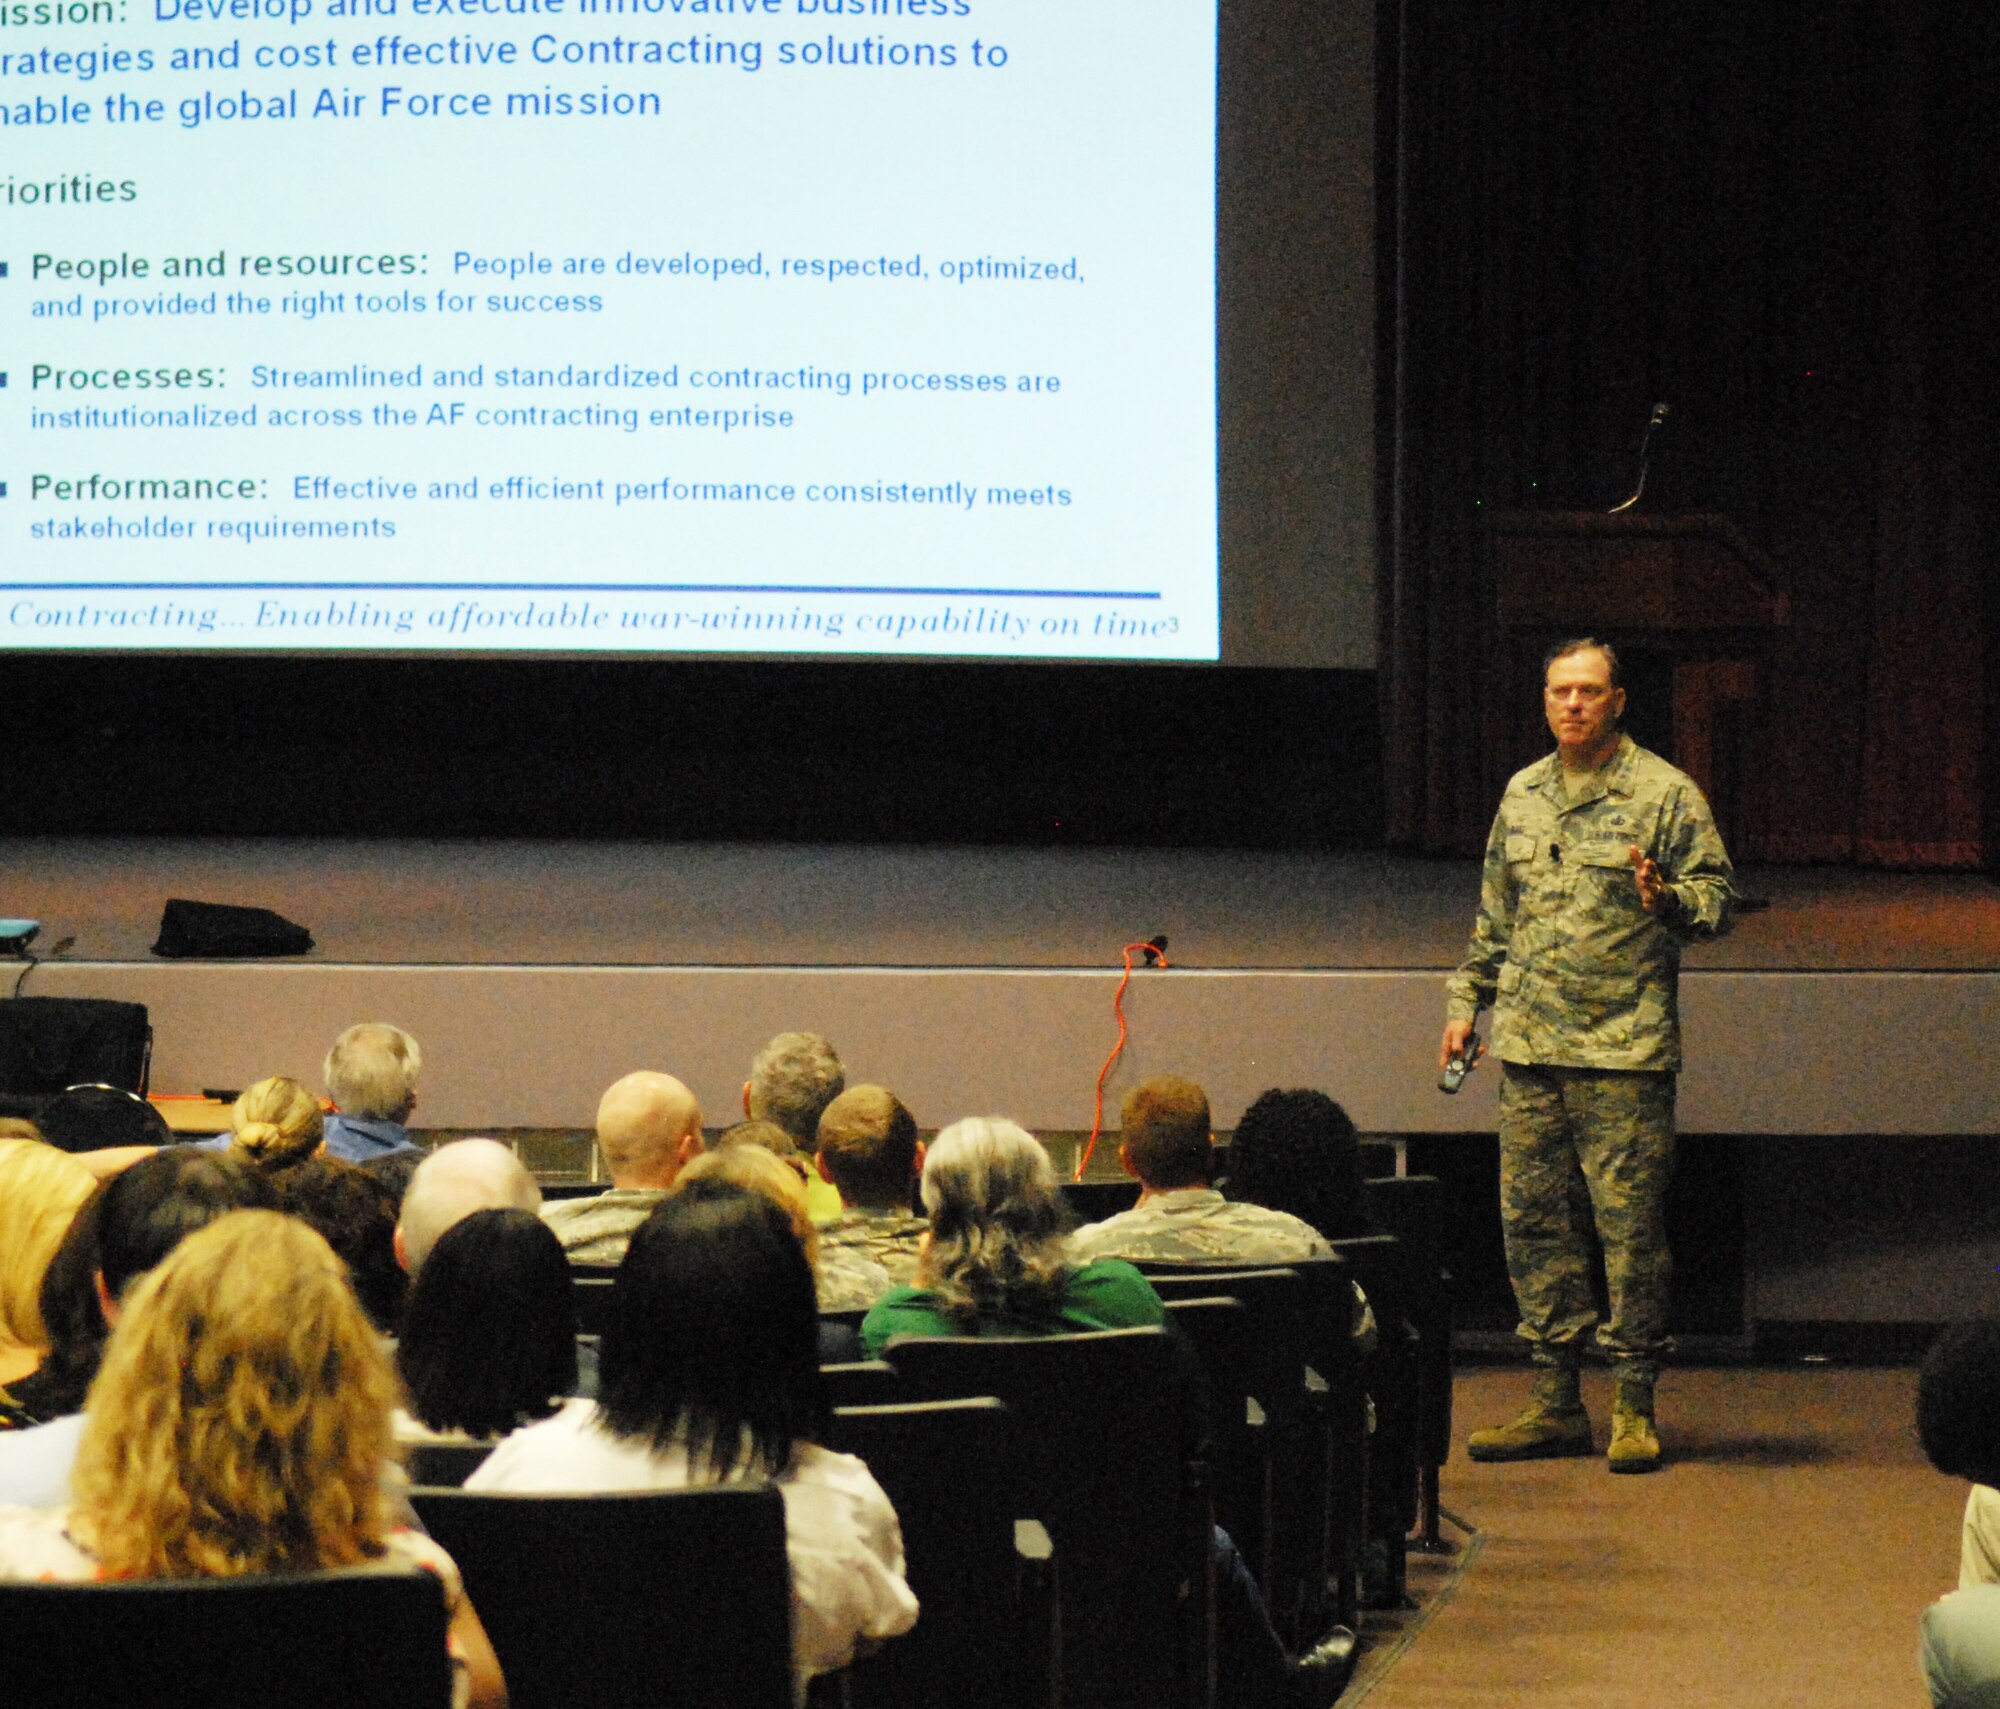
{"x": 240, "y": 1424}
{"x": 276, "y": 1123}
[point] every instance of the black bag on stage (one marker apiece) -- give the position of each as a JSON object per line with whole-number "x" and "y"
{"x": 211, "y": 930}
{"x": 49, "y": 1043}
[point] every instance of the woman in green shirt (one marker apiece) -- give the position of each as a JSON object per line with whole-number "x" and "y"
{"x": 995, "y": 1261}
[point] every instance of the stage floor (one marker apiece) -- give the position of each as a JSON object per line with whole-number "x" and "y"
{"x": 388, "y": 903}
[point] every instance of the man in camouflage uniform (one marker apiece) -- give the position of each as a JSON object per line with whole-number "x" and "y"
{"x": 1166, "y": 1144}
{"x": 1602, "y": 863}
{"x": 648, "y": 1130}
{"x": 868, "y": 1150}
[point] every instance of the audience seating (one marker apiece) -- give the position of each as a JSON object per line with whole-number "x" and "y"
{"x": 1104, "y": 1451}
{"x": 1377, "y": 1263}
{"x": 1242, "y": 1472}
{"x": 1305, "y": 1376}
{"x": 1412, "y": 1208}
{"x": 673, "y": 1599}
{"x": 446, "y": 1465}
{"x": 1093, "y": 1201}
{"x": 590, "y": 1287}
{"x": 861, "y": 1382}
{"x": 345, "y": 1640}
{"x": 1379, "y": 1157}
{"x": 840, "y": 1336}
{"x": 988, "y": 1636}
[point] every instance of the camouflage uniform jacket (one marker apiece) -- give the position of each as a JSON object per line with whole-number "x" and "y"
{"x": 1192, "y": 1225}
{"x": 597, "y": 1230}
{"x": 849, "y": 1279}
{"x": 1579, "y": 975}
{"x": 889, "y": 1238}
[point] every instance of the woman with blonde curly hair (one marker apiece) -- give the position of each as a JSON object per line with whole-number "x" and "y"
{"x": 844, "y": 1279}
{"x": 276, "y": 1123}
{"x": 240, "y": 1424}
{"x": 41, "y": 1190}
{"x": 759, "y": 1171}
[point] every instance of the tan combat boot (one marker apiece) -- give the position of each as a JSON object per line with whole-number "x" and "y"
{"x": 1635, "y": 1444}
{"x": 1554, "y": 1424}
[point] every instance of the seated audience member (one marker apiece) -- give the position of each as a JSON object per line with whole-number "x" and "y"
{"x": 454, "y": 1181}
{"x": 822, "y": 1202}
{"x": 847, "y": 1282}
{"x": 997, "y": 1264}
{"x": 354, "y": 1214}
{"x": 996, "y": 1261}
{"x": 125, "y": 1228}
{"x": 240, "y": 1425}
{"x": 1298, "y": 1152}
{"x": 371, "y": 1076}
{"x": 766, "y": 1136}
{"x": 395, "y": 1170}
{"x": 792, "y": 1080}
{"x": 1165, "y": 1143}
{"x": 1958, "y": 1422}
{"x": 41, "y": 1190}
{"x": 648, "y": 1131}
{"x": 869, "y": 1153}
{"x": 710, "y": 1375}
{"x": 275, "y": 1124}
{"x": 489, "y": 1333}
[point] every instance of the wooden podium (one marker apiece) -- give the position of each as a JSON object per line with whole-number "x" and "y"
{"x": 1686, "y": 600}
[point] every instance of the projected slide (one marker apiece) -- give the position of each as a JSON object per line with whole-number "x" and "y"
{"x": 839, "y": 326}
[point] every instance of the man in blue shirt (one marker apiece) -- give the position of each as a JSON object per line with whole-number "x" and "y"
{"x": 371, "y": 1076}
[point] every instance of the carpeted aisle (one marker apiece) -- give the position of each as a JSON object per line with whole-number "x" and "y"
{"x": 1779, "y": 1561}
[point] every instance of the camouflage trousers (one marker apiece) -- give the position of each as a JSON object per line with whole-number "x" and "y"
{"x": 1583, "y": 1148}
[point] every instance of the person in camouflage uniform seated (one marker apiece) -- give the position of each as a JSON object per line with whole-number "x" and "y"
{"x": 1165, "y": 1143}
{"x": 1603, "y": 862}
{"x": 868, "y": 1151}
{"x": 648, "y": 1131}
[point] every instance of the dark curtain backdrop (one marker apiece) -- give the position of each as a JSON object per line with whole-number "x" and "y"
{"x": 1781, "y": 219}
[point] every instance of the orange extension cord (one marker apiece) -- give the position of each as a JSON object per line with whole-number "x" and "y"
{"x": 1155, "y": 953}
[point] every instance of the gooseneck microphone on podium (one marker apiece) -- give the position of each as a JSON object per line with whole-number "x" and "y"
{"x": 1654, "y": 423}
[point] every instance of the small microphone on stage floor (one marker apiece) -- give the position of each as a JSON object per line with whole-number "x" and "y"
{"x": 1156, "y": 949}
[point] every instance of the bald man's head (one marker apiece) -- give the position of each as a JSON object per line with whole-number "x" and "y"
{"x": 454, "y": 1181}
{"x": 648, "y": 1127}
